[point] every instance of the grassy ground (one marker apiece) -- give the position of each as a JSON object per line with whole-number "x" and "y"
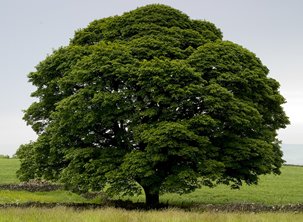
{"x": 286, "y": 188}
{"x": 283, "y": 189}
{"x": 8, "y": 168}
{"x": 109, "y": 214}
{"x": 60, "y": 196}
{"x": 272, "y": 190}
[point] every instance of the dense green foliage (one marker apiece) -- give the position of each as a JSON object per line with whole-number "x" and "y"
{"x": 155, "y": 100}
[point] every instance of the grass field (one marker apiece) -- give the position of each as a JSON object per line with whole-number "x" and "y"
{"x": 283, "y": 189}
{"x": 59, "y": 196}
{"x": 117, "y": 215}
{"x": 286, "y": 188}
{"x": 272, "y": 190}
{"x": 8, "y": 168}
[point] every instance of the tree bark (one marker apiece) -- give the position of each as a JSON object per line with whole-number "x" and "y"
{"x": 151, "y": 197}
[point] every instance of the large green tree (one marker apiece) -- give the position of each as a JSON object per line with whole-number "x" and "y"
{"x": 152, "y": 100}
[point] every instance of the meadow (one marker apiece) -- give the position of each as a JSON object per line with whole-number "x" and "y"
{"x": 61, "y": 214}
{"x": 285, "y": 189}
{"x": 8, "y": 168}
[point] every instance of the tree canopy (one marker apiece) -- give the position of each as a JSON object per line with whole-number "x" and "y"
{"x": 152, "y": 100}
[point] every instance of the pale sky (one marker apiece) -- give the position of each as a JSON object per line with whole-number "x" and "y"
{"x": 31, "y": 29}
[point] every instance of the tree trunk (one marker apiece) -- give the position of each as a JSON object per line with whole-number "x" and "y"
{"x": 151, "y": 197}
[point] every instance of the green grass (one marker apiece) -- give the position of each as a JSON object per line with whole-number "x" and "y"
{"x": 8, "y": 168}
{"x": 286, "y": 188}
{"x": 62, "y": 214}
{"x": 59, "y": 196}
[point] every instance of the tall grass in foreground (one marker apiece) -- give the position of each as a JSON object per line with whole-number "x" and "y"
{"x": 64, "y": 214}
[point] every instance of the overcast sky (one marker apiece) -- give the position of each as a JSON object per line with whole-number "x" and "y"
{"x": 31, "y": 29}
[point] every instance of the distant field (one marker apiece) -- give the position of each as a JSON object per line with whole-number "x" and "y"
{"x": 286, "y": 188}
{"x": 109, "y": 214}
{"x": 8, "y": 168}
{"x": 59, "y": 196}
{"x": 272, "y": 190}
{"x": 283, "y": 189}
